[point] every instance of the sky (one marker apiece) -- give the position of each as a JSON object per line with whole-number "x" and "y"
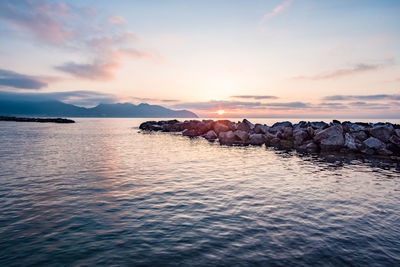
{"x": 270, "y": 58}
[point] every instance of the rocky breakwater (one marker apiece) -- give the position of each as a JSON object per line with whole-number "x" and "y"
{"x": 43, "y": 120}
{"x": 382, "y": 139}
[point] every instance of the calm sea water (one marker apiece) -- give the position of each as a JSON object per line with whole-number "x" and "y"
{"x": 98, "y": 192}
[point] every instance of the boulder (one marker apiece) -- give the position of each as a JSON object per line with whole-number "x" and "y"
{"x": 331, "y": 138}
{"x": 311, "y": 147}
{"x": 299, "y": 136}
{"x": 397, "y": 132}
{"x": 210, "y": 135}
{"x": 227, "y": 138}
{"x": 242, "y": 135}
{"x": 287, "y": 144}
{"x": 287, "y": 133}
{"x": 220, "y": 127}
{"x": 319, "y": 125}
{"x": 374, "y": 143}
{"x": 245, "y": 125}
{"x": 360, "y": 136}
{"x": 256, "y": 139}
{"x": 190, "y": 132}
{"x": 260, "y": 129}
{"x": 350, "y": 142}
{"x": 382, "y": 132}
{"x": 352, "y": 127}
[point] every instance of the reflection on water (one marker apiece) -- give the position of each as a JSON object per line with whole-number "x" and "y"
{"x": 99, "y": 192}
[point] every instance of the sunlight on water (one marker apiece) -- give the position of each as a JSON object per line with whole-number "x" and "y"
{"x": 100, "y": 192}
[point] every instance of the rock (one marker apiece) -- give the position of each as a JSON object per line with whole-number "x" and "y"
{"x": 287, "y": 144}
{"x": 352, "y": 127}
{"x": 360, "y": 136}
{"x": 227, "y": 138}
{"x": 382, "y": 132}
{"x": 210, "y": 135}
{"x": 287, "y": 133}
{"x": 350, "y": 142}
{"x": 190, "y": 132}
{"x": 394, "y": 139}
{"x": 256, "y": 139}
{"x": 312, "y": 147}
{"x": 260, "y": 129}
{"x": 282, "y": 124}
{"x": 397, "y": 132}
{"x": 275, "y": 141}
{"x": 336, "y": 122}
{"x": 374, "y": 143}
{"x": 245, "y": 125}
{"x": 251, "y": 126}
{"x": 331, "y": 138}
{"x": 220, "y": 127}
{"x": 319, "y": 125}
{"x": 300, "y": 135}
{"x": 242, "y": 135}
{"x": 310, "y": 131}
{"x": 301, "y": 124}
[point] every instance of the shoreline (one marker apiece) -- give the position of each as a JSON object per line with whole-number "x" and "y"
{"x": 365, "y": 139}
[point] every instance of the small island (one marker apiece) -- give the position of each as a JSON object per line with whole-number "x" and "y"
{"x": 380, "y": 139}
{"x": 21, "y": 119}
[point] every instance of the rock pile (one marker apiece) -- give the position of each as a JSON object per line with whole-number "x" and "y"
{"x": 347, "y": 137}
{"x": 21, "y": 119}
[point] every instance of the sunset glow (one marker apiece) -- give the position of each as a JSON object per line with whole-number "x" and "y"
{"x": 278, "y": 58}
{"x": 221, "y": 112}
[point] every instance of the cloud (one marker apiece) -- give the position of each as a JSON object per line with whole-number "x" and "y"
{"x": 80, "y": 98}
{"x": 362, "y": 97}
{"x": 13, "y": 79}
{"x": 116, "y": 19}
{"x": 40, "y": 18}
{"x": 359, "y": 68}
{"x": 79, "y": 29}
{"x": 211, "y": 105}
{"x": 94, "y": 71}
{"x": 256, "y": 97}
{"x": 278, "y": 9}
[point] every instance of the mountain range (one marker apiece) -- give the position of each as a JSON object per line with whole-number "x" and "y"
{"x": 17, "y": 106}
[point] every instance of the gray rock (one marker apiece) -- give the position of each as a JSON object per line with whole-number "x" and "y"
{"x": 360, "y": 136}
{"x": 227, "y": 138}
{"x": 251, "y": 125}
{"x": 382, "y": 132}
{"x": 256, "y": 139}
{"x": 299, "y": 136}
{"x": 242, "y": 135}
{"x": 210, "y": 135}
{"x": 190, "y": 132}
{"x": 286, "y": 144}
{"x": 331, "y": 138}
{"x": 350, "y": 142}
{"x": 397, "y": 132}
{"x": 260, "y": 129}
{"x": 312, "y": 147}
{"x": 319, "y": 125}
{"x": 352, "y": 127}
{"x": 287, "y": 132}
{"x": 374, "y": 143}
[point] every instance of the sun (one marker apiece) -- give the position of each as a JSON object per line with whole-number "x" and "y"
{"x": 221, "y": 112}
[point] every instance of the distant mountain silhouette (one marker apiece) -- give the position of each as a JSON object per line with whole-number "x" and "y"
{"x": 37, "y": 107}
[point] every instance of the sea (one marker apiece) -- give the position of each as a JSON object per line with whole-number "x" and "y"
{"x": 101, "y": 193}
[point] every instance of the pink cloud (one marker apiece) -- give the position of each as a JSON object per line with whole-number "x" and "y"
{"x": 39, "y": 18}
{"x": 360, "y": 68}
{"x": 116, "y": 19}
{"x": 278, "y": 9}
